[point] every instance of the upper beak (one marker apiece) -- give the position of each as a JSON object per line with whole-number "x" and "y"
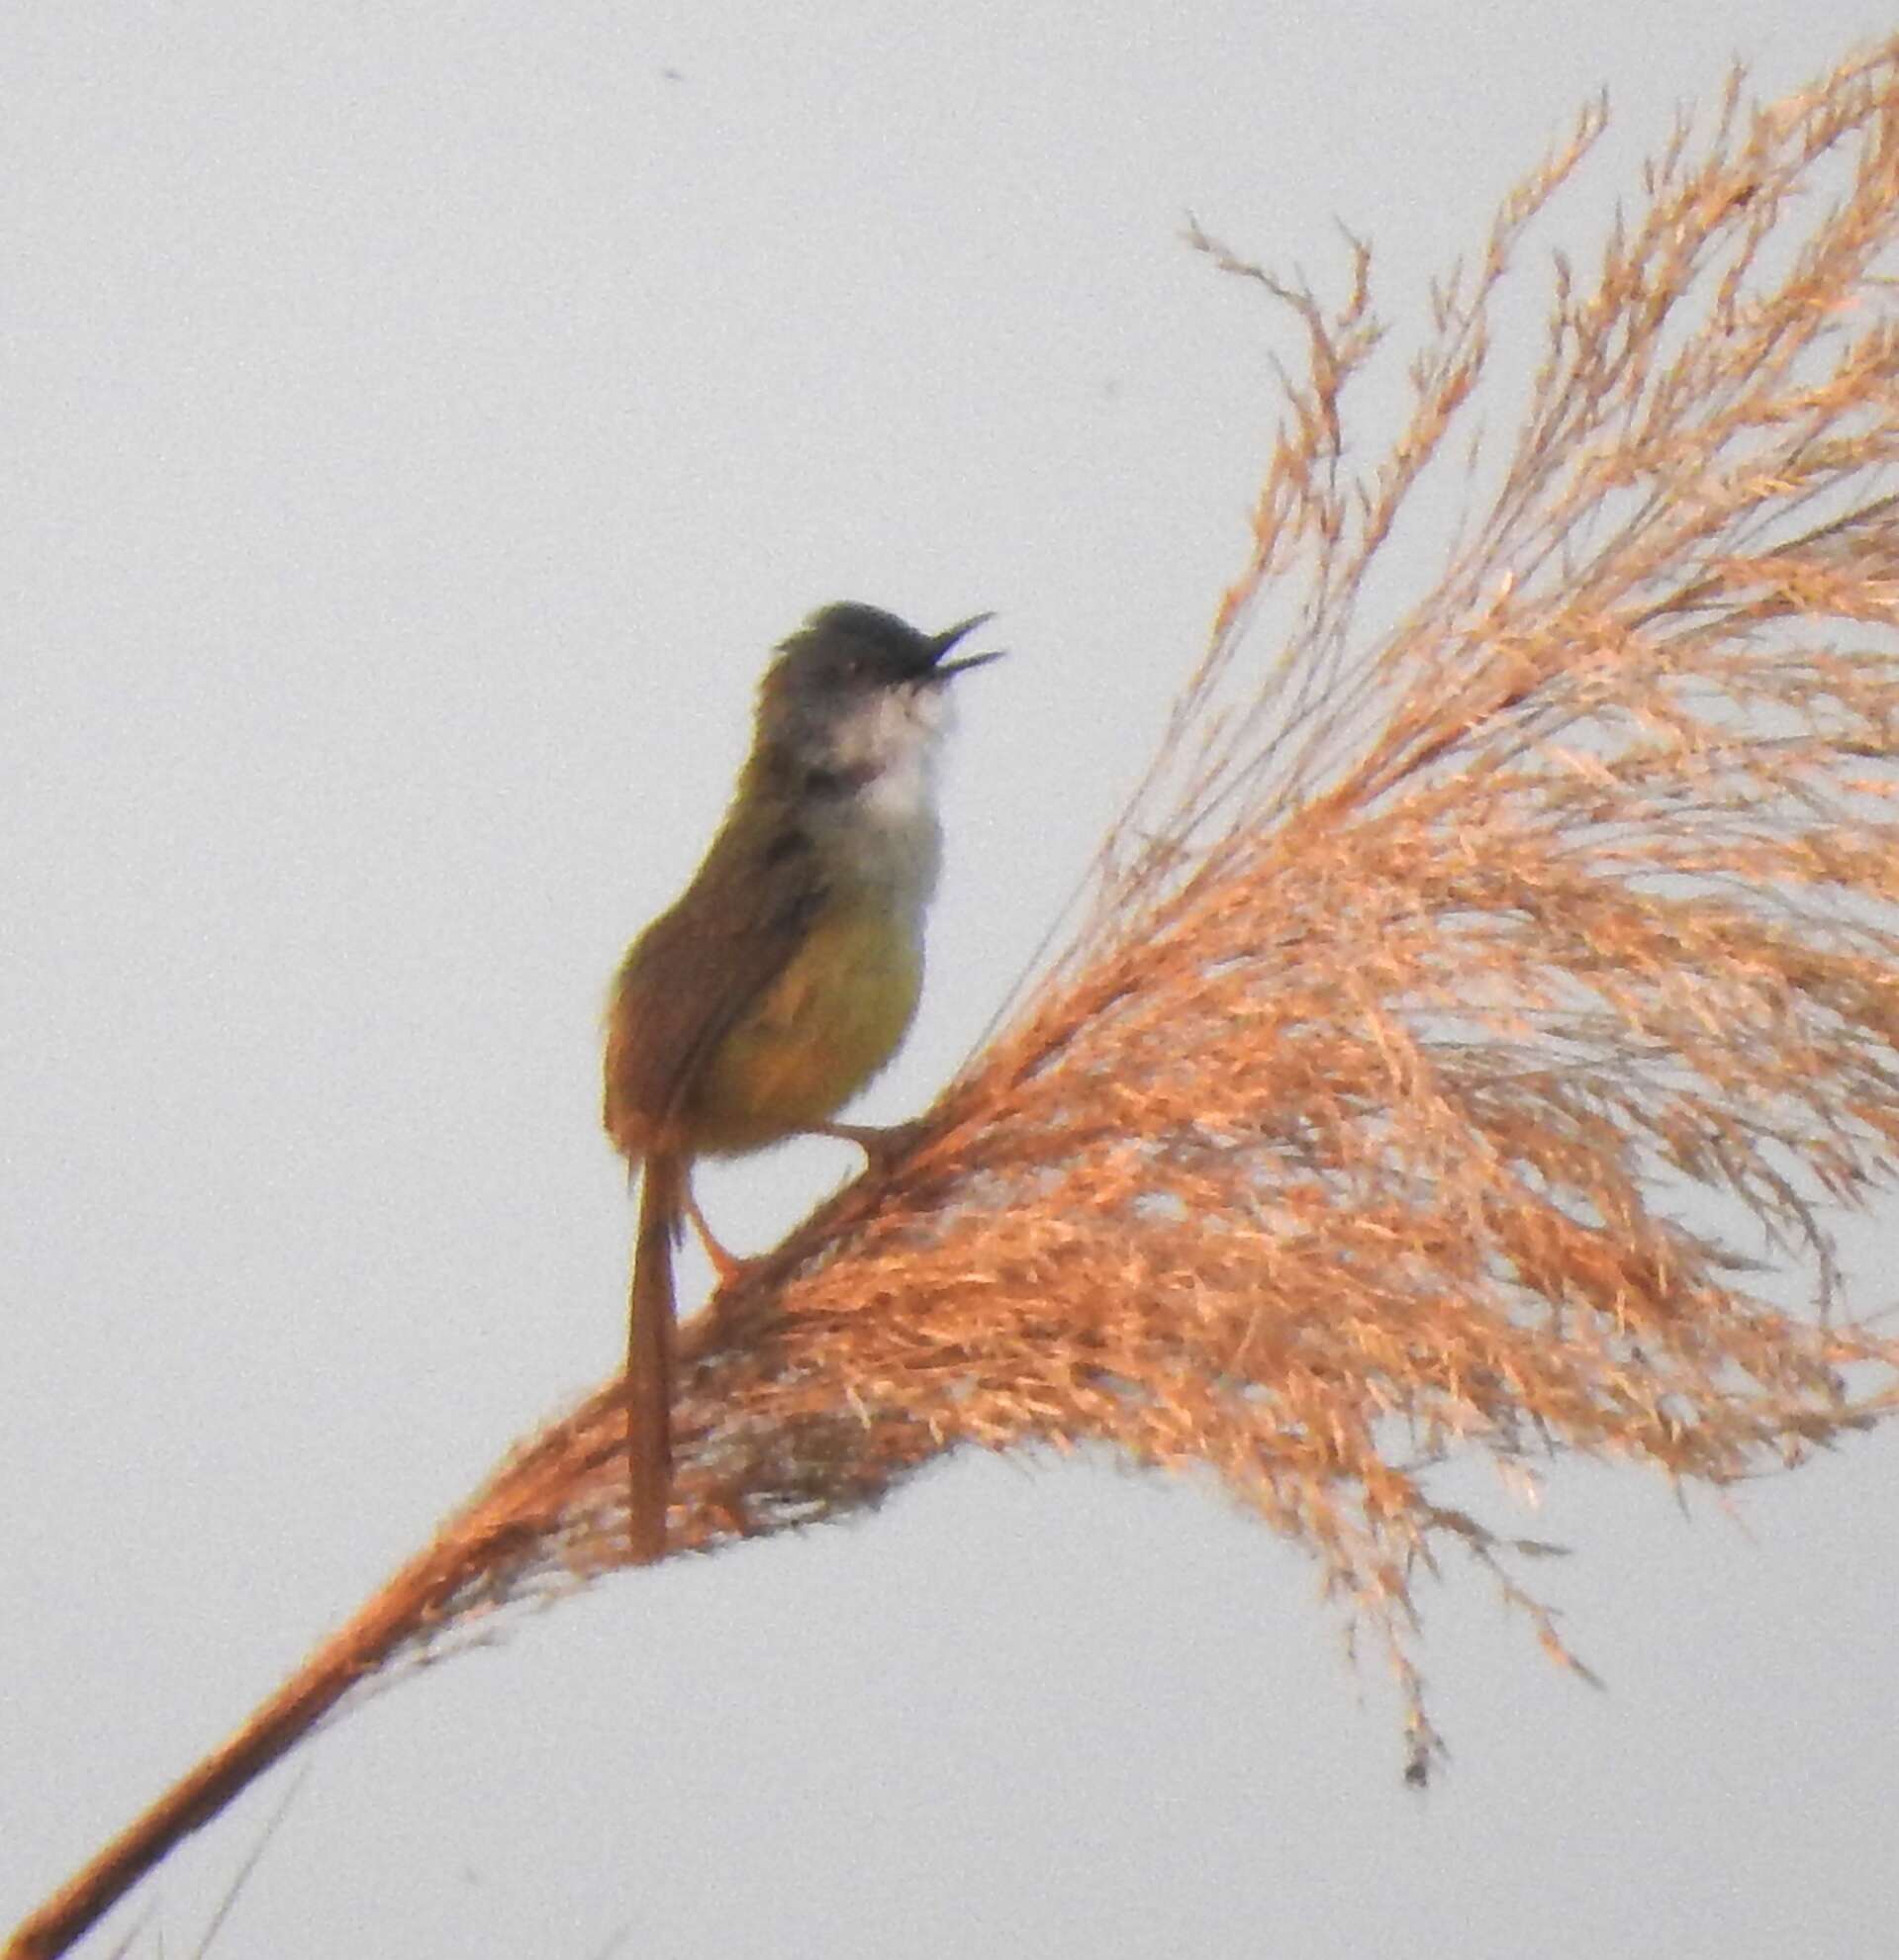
{"x": 942, "y": 668}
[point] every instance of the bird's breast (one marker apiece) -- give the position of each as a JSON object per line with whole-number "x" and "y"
{"x": 830, "y": 1021}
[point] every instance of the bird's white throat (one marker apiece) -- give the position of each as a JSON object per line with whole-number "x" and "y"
{"x": 887, "y": 828}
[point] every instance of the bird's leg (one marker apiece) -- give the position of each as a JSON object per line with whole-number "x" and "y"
{"x": 882, "y": 1144}
{"x": 727, "y": 1265}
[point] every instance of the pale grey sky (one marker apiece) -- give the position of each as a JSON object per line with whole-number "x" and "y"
{"x": 420, "y": 422}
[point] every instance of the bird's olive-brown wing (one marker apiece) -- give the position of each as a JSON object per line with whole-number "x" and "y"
{"x": 696, "y": 973}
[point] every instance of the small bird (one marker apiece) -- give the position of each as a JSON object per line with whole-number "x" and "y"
{"x": 788, "y": 973}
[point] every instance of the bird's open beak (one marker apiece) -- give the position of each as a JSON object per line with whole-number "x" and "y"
{"x": 942, "y": 668}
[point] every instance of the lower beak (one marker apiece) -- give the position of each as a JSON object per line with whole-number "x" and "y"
{"x": 942, "y": 668}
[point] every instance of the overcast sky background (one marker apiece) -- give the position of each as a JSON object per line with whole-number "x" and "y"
{"x": 421, "y": 420}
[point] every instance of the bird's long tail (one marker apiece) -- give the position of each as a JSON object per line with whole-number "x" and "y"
{"x": 649, "y": 1356}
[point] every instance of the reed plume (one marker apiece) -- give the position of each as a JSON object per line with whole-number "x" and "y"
{"x": 1476, "y": 1014}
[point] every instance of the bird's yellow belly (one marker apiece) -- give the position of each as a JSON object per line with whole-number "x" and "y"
{"x": 829, "y": 1023}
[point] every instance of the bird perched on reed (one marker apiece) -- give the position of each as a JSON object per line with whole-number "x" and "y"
{"x": 788, "y": 973}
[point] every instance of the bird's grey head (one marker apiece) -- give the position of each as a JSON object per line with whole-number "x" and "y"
{"x": 856, "y": 690}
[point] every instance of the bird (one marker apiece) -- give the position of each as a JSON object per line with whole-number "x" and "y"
{"x": 788, "y": 973}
